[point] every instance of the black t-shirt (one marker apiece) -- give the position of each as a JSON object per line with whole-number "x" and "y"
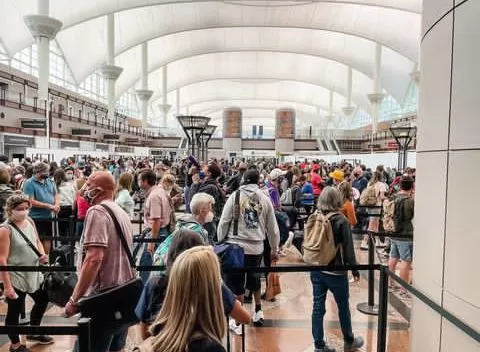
{"x": 205, "y": 345}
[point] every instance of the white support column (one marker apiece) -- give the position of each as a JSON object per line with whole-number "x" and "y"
{"x": 109, "y": 71}
{"x": 43, "y": 29}
{"x": 377, "y": 96}
{"x": 178, "y": 102}
{"x": 144, "y": 94}
{"x": 329, "y": 118}
{"x": 349, "y": 109}
{"x": 164, "y": 107}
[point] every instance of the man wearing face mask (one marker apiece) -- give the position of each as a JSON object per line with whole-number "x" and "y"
{"x": 103, "y": 262}
{"x": 44, "y": 199}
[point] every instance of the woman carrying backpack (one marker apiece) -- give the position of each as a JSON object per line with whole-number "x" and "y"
{"x": 330, "y": 204}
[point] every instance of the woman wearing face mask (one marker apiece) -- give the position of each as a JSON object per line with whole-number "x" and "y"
{"x": 66, "y": 192}
{"x": 14, "y": 250}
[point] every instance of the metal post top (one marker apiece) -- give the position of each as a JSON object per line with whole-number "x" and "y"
{"x": 192, "y": 122}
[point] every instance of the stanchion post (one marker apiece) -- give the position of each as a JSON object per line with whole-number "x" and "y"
{"x": 84, "y": 335}
{"x": 369, "y": 307}
{"x": 383, "y": 310}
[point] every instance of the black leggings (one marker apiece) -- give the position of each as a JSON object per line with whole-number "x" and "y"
{"x": 15, "y": 307}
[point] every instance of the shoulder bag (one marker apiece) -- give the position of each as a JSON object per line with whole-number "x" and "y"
{"x": 114, "y": 306}
{"x": 58, "y": 285}
{"x": 231, "y": 255}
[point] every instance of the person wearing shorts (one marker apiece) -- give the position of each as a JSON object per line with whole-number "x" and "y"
{"x": 256, "y": 219}
{"x": 402, "y": 246}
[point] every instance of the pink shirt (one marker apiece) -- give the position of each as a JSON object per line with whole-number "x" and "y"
{"x": 82, "y": 206}
{"x": 100, "y": 231}
{"x": 157, "y": 206}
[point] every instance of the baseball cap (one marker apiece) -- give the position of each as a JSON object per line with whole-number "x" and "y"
{"x": 276, "y": 173}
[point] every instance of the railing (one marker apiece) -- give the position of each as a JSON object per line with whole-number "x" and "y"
{"x": 83, "y": 327}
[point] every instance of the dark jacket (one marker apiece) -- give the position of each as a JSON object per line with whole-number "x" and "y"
{"x": 343, "y": 236}
{"x": 211, "y": 187}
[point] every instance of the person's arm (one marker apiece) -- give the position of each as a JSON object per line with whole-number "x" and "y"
{"x": 347, "y": 245}
{"x": 4, "y": 252}
{"x": 240, "y": 314}
{"x": 29, "y": 190}
{"x": 226, "y": 218}
{"x": 273, "y": 233}
{"x": 90, "y": 267}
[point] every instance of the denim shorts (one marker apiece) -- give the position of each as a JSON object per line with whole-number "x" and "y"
{"x": 402, "y": 250}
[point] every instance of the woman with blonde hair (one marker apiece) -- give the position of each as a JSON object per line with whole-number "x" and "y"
{"x": 192, "y": 317}
{"x": 122, "y": 193}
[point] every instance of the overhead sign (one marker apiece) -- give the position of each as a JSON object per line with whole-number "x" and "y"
{"x": 132, "y": 140}
{"x": 69, "y": 144}
{"x": 102, "y": 147}
{"x": 33, "y": 123}
{"x": 81, "y": 132}
{"x": 123, "y": 150}
{"x": 111, "y": 136}
{"x": 374, "y": 146}
{"x": 20, "y": 141}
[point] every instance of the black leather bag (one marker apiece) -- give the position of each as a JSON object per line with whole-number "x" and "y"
{"x": 58, "y": 285}
{"x": 114, "y": 306}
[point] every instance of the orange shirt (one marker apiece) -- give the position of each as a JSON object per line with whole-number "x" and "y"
{"x": 349, "y": 212}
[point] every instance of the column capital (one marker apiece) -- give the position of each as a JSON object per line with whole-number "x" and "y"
{"x": 415, "y": 76}
{"x": 111, "y": 71}
{"x": 42, "y": 26}
{"x": 144, "y": 94}
{"x": 348, "y": 111}
{"x": 376, "y": 97}
{"x": 165, "y": 108}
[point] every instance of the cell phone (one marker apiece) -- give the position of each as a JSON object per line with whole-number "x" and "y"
{"x": 201, "y": 174}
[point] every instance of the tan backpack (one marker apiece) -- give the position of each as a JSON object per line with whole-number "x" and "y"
{"x": 369, "y": 196}
{"x": 319, "y": 242}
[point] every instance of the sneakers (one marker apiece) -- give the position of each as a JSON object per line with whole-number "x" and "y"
{"x": 40, "y": 339}
{"x": 258, "y": 318}
{"x": 236, "y": 329}
{"x": 21, "y": 348}
{"x": 325, "y": 349}
{"x": 354, "y": 345}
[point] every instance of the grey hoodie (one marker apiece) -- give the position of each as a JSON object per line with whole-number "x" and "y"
{"x": 257, "y": 219}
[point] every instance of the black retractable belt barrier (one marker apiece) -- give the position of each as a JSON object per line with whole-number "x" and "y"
{"x": 383, "y": 310}
{"x": 369, "y": 307}
{"x": 82, "y": 330}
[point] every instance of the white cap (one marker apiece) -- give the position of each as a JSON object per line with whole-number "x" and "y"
{"x": 276, "y": 173}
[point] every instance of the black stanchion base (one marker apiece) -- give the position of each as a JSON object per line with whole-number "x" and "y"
{"x": 367, "y": 309}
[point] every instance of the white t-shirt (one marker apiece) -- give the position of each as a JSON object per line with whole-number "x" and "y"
{"x": 380, "y": 190}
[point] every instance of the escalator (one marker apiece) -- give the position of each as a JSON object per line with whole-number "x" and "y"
{"x": 325, "y": 145}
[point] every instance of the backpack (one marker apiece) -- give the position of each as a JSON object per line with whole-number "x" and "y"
{"x": 5, "y": 193}
{"x": 369, "y": 196}
{"x": 319, "y": 242}
{"x": 392, "y": 217}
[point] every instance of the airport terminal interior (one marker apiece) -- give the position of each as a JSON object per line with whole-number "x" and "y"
{"x": 242, "y": 122}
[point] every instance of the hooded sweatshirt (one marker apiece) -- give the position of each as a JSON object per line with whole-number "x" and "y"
{"x": 257, "y": 219}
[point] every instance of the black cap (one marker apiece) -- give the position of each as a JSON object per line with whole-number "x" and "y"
{"x": 251, "y": 177}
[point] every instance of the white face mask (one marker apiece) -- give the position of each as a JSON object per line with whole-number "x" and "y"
{"x": 209, "y": 217}
{"x": 19, "y": 215}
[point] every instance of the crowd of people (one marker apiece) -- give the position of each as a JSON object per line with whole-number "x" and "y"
{"x": 188, "y": 209}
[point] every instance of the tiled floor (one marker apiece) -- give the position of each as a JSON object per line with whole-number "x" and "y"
{"x": 287, "y": 322}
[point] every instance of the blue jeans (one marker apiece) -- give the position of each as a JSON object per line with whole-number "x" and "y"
{"x": 146, "y": 258}
{"x": 338, "y": 285}
{"x": 105, "y": 340}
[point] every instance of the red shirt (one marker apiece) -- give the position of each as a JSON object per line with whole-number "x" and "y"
{"x": 317, "y": 183}
{"x": 82, "y": 207}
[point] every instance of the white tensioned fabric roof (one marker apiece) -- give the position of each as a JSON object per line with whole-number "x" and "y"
{"x": 304, "y": 43}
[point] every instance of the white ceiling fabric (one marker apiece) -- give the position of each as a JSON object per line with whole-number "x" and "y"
{"x": 308, "y": 43}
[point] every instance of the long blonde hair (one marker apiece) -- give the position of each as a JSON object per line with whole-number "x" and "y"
{"x": 124, "y": 182}
{"x": 193, "y": 305}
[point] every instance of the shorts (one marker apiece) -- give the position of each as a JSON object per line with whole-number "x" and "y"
{"x": 44, "y": 227}
{"x": 402, "y": 250}
{"x": 251, "y": 281}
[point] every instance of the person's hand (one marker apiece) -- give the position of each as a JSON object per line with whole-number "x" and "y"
{"x": 151, "y": 248}
{"x": 43, "y": 259}
{"x": 274, "y": 256}
{"x": 70, "y": 309}
{"x": 56, "y": 209}
{"x": 196, "y": 178}
{"x": 10, "y": 293}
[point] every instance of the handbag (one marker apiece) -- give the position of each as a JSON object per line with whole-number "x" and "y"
{"x": 58, "y": 285}
{"x": 231, "y": 255}
{"x": 114, "y": 306}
